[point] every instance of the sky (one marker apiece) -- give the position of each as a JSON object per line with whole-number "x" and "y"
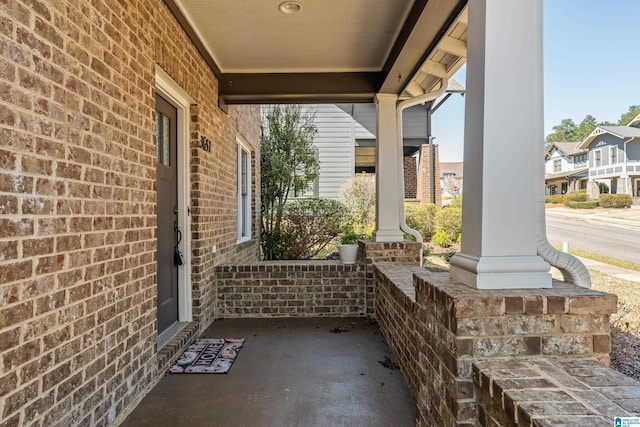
{"x": 591, "y": 66}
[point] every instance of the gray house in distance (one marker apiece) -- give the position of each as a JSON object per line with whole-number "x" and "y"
{"x": 566, "y": 168}
{"x": 614, "y": 158}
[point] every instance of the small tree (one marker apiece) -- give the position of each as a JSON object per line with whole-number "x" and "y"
{"x": 359, "y": 195}
{"x": 311, "y": 224}
{"x": 287, "y": 163}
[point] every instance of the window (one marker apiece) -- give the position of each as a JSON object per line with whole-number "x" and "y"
{"x": 557, "y": 165}
{"x": 448, "y": 175}
{"x": 244, "y": 190}
{"x": 613, "y": 154}
{"x": 597, "y": 161}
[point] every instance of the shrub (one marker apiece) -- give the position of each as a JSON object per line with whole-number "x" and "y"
{"x": 309, "y": 225}
{"x": 604, "y": 188}
{"x": 448, "y": 255}
{"x": 449, "y": 221}
{"x": 441, "y": 239}
{"x": 555, "y": 198}
{"x": 359, "y": 195}
{"x": 575, "y": 197}
{"x": 590, "y": 204}
{"x": 615, "y": 200}
{"x": 421, "y": 217}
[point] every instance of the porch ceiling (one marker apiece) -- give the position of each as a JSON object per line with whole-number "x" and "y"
{"x": 331, "y": 51}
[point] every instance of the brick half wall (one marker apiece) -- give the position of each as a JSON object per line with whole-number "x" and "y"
{"x": 438, "y": 334}
{"x": 291, "y": 288}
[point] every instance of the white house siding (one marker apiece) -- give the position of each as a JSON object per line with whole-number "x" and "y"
{"x": 335, "y": 144}
{"x": 566, "y": 164}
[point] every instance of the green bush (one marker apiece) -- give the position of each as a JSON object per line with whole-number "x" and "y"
{"x": 441, "y": 239}
{"x": 615, "y": 200}
{"x": 421, "y": 217}
{"x": 449, "y": 221}
{"x": 590, "y": 204}
{"x": 604, "y": 188}
{"x": 308, "y": 225}
{"x": 447, "y": 256}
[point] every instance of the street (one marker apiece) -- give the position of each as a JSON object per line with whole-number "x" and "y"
{"x": 610, "y": 240}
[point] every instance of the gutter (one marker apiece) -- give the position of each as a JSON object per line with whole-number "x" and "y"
{"x": 420, "y": 99}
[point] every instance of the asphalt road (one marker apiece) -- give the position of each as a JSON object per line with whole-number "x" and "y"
{"x": 609, "y": 240}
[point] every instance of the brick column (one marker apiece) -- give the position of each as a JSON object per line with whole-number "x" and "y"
{"x": 406, "y": 252}
{"x": 410, "y": 178}
{"x": 424, "y": 178}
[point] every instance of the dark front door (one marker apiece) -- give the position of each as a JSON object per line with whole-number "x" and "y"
{"x": 168, "y": 233}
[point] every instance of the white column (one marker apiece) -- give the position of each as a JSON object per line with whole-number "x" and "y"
{"x": 387, "y": 185}
{"x": 503, "y": 134}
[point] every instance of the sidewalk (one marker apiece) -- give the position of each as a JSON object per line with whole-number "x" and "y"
{"x": 627, "y": 218}
{"x": 611, "y": 270}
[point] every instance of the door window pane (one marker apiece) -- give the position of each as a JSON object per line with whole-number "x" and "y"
{"x": 166, "y": 141}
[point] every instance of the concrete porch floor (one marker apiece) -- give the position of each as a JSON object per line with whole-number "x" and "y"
{"x": 290, "y": 372}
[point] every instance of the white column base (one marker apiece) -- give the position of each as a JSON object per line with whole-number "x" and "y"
{"x": 501, "y": 272}
{"x": 392, "y": 235}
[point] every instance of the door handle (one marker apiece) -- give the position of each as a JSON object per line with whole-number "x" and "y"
{"x": 177, "y": 255}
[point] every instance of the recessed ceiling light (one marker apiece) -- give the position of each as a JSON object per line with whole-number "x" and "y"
{"x": 290, "y": 7}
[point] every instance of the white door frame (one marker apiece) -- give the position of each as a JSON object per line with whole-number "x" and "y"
{"x": 169, "y": 90}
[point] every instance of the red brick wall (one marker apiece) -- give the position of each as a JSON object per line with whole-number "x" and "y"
{"x": 77, "y": 202}
{"x": 424, "y": 177}
{"x": 410, "y": 178}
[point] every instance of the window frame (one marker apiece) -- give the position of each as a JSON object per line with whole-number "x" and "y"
{"x": 597, "y": 158}
{"x": 557, "y": 165}
{"x": 612, "y": 157}
{"x": 243, "y": 190}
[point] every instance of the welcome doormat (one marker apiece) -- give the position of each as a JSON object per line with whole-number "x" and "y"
{"x": 208, "y": 356}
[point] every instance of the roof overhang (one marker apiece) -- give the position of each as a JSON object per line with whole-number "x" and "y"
{"x": 566, "y": 174}
{"x": 335, "y": 51}
{"x": 593, "y": 135}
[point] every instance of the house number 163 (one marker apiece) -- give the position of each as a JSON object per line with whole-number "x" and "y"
{"x": 205, "y": 143}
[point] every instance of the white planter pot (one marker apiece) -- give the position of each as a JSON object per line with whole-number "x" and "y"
{"x": 348, "y": 253}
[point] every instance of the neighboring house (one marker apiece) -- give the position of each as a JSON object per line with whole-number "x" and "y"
{"x": 565, "y": 168}
{"x": 346, "y": 145}
{"x": 614, "y": 158}
{"x": 451, "y": 178}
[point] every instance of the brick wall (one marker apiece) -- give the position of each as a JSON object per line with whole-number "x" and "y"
{"x": 438, "y": 334}
{"x": 410, "y": 178}
{"x": 424, "y": 177}
{"x": 568, "y": 391}
{"x": 406, "y": 252}
{"x": 291, "y": 288}
{"x": 77, "y": 203}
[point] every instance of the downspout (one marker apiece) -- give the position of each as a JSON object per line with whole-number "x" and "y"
{"x": 420, "y": 99}
{"x": 572, "y": 269}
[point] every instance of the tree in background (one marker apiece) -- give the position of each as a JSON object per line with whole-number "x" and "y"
{"x": 359, "y": 195}
{"x": 631, "y": 113}
{"x": 288, "y": 164}
{"x": 567, "y": 130}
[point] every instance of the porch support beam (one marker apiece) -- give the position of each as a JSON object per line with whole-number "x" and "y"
{"x": 503, "y": 133}
{"x": 387, "y": 177}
